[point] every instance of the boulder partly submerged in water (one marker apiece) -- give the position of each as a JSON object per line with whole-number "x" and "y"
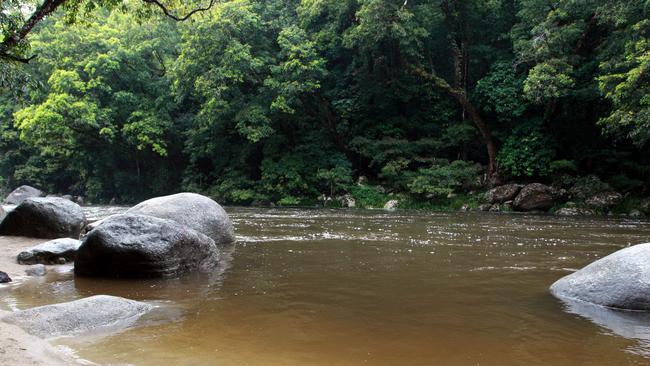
{"x": 192, "y": 210}
{"x": 48, "y": 218}
{"x": 18, "y": 195}
{"x": 96, "y": 313}
{"x": 621, "y": 280}
{"x": 57, "y": 251}
{"x": 139, "y": 246}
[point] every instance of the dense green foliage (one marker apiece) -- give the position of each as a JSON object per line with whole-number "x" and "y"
{"x": 285, "y": 101}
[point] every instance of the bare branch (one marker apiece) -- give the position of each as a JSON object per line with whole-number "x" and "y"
{"x": 6, "y": 56}
{"x": 178, "y": 18}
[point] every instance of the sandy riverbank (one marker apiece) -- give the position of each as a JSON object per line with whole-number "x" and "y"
{"x": 16, "y": 346}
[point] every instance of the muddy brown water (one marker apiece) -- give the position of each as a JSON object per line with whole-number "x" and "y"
{"x": 355, "y": 287}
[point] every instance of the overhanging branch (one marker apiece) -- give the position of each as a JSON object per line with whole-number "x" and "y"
{"x": 175, "y": 17}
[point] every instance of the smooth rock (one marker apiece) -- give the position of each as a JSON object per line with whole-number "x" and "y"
{"x": 4, "y": 278}
{"x": 94, "y": 313}
{"x": 36, "y": 270}
{"x": 391, "y": 205}
{"x": 495, "y": 208}
{"x": 48, "y": 218}
{"x": 18, "y": 195}
{"x": 605, "y": 200}
{"x": 620, "y": 280}
{"x": 68, "y": 197}
{"x": 144, "y": 246}
{"x": 2, "y": 213}
{"x": 503, "y": 193}
{"x": 535, "y": 196}
{"x": 51, "y": 252}
{"x": 192, "y": 210}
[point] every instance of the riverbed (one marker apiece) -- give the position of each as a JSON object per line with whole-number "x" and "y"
{"x": 353, "y": 287}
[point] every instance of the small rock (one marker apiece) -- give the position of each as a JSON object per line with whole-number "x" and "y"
{"x": 575, "y": 211}
{"x": 380, "y": 189}
{"x": 645, "y": 206}
{"x": 391, "y": 205}
{"x": 503, "y": 193}
{"x": 57, "y": 251}
{"x": 347, "y": 201}
{"x": 495, "y": 208}
{"x": 465, "y": 208}
{"x": 362, "y": 180}
{"x": 452, "y": 195}
{"x": 605, "y": 200}
{"x": 636, "y": 213}
{"x": 79, "y": 200}
{"x": 68, "y": 197}
{"x": 22, "y": 193}
{"x": 4, "y": 278}
{"x": 485, "y": 207}
{"x": 36, "y": 270}
{"x": 94, "y": 313}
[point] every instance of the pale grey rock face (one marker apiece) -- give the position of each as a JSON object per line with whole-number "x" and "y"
{"x": 391, "y": 205}
{"x": 144, "y": 246}
{"x": 48, "y": 218}
{"x": 18, "y": 195}
{"x": 52, "y": 252}
{"x": 192, "y": 210}
{"x": 94, "y": 313}
{"x": 620, "y": 280}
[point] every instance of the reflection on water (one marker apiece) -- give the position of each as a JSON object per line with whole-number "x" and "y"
{"x": 347, "y": 287}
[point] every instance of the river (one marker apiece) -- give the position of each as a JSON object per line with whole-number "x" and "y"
{"x": 353, "y": 287}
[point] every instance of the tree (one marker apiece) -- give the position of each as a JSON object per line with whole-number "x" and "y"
{"x": 17, "y": 25}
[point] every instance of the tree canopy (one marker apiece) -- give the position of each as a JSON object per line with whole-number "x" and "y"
{"x": 282, "y": 101}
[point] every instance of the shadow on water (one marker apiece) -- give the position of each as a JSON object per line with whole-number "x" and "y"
{"x": 634, "y": 325}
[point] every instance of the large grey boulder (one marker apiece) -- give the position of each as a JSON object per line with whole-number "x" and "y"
{"x": 144, "y": 246}
{"x": 18, "y": 195}
{"x": 620, "y": 280}
{"x": 57, "y": 251}
{"x": 192, "y": 210}
{"x": 503, "y": 193}
{"x": 535, "y": 196}
{"x": 94, "y": 313}
{"x": 48, "y": 218}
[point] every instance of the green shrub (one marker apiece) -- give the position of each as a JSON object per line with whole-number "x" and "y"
{"x": 443, "y": 178}
{"x": 527, "y": 152}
